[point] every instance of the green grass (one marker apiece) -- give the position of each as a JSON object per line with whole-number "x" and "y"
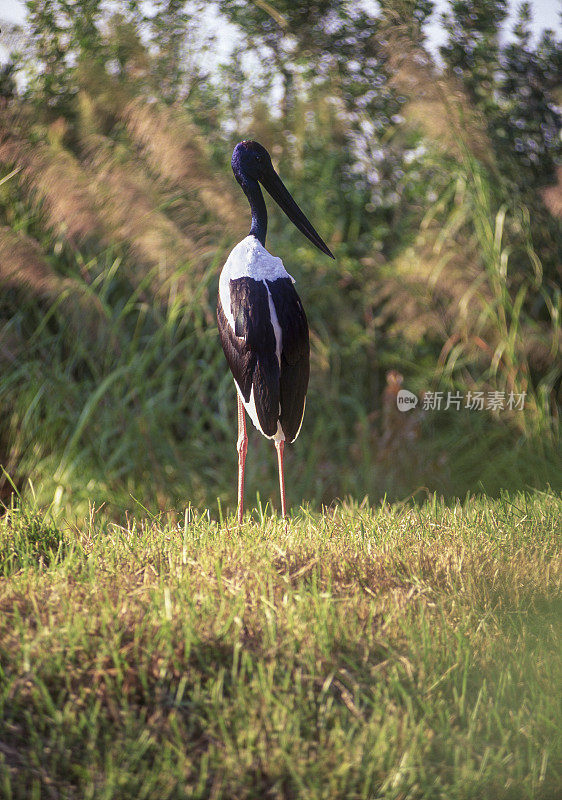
{"x": 405, "y": 651}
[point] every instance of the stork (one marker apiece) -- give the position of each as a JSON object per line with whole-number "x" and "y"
{"x": 261, "y": 320}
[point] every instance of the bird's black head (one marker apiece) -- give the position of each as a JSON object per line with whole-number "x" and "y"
{"x": 251, "y": 159}
{"x": 252, "y": 162}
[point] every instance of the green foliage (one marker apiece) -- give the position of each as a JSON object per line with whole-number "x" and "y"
{"x": 28, "y": 540}
{"x": 528, "y": 104}
{"x": 7, "y": 83}
{"x": 113, "y": 385}
{"x": 129, "y": 405}
{"x": 513, "y": 84}
{"x": 503, "y": 301}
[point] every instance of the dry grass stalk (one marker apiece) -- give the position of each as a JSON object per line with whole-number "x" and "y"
{"x": 129, "y": 207}
{"x": 106, "y": 197}
{"x": 174, "y": 150}
{"x": 437, "y": 102}
{"x": 425, "y": 289}
{"x": 53, "y": 176}
{"x": 23, "y": 266}
{"x": 552, "y": 195}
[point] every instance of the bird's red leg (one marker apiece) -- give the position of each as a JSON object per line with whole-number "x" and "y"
{"x": 242, "y": 447}
{"x": 280, "y": 446}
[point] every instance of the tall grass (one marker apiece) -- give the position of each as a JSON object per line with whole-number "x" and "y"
{"x": 473, "y": 282}
{"x": 175, "y": 151}
{"x": 122, "y": 409}
{"x": 49, "y": 175}
{"x": 497, "y": 342}
{"x": 113, "y": 384}
{"x": 132, "y": 402}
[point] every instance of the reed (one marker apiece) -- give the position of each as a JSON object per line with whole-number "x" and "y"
{"x": 175, "y": 151}
{"x": 51, "y": 176}
{"x": 129, "y": 204}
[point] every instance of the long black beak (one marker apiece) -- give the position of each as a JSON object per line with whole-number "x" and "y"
{"x": 277, "y": 189}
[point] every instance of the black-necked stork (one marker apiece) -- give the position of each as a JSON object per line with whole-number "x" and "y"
{"x": 261, "y": 320}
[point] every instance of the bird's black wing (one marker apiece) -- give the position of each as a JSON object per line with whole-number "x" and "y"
{"x": 295, "y": 354}
{"x": 250, "y": 348}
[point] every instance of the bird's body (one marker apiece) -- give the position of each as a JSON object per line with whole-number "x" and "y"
{"x": 264, "y": 334}
{"x": 261, "y": 320}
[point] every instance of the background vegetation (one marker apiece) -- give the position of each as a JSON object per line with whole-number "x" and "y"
{"x": 370, "y": 649}
{"x": 435, "y": 182}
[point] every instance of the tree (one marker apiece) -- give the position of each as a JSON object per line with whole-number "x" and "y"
{"x": 7, "y": 84}
{"x": 472, "y": 48}
{"x": 338, "y": 50}
{"x": 531, "y": 120}
{"x": 512, "y": 85}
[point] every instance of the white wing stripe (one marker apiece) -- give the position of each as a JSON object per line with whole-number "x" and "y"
{"x": 275, "y": 324}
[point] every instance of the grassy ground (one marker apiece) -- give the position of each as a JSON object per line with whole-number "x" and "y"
{"x": 396, "y": 652}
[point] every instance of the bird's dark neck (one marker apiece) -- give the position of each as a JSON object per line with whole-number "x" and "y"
{"x": 257, "y": 204}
